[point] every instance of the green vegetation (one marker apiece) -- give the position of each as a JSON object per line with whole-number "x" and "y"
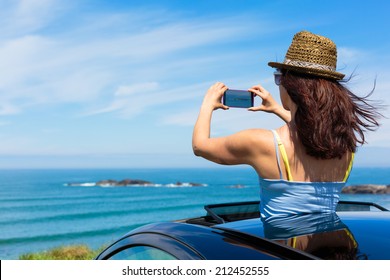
{"x": 73, "y": 252}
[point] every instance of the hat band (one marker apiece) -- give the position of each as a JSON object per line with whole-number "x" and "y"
{"x": 309, "y": 65}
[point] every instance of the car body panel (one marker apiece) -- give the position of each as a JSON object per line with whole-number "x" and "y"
{"x": 235, "y": 231}
{"x": 177, "y": 237}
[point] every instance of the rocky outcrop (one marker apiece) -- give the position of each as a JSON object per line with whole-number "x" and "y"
{"x": 179, "y": 184}
{"x": 132, "y": 182}
{"x": 125, "y": 182}
{"x": 367, "y": 189}
{"x": 129, "y": 182}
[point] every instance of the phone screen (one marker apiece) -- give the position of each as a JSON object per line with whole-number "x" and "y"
{"x": 238, "y": 98}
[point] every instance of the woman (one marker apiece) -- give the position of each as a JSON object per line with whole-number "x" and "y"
{"x": 304, "y": 164}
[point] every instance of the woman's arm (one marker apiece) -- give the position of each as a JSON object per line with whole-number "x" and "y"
{"x": 233, "y": 149}
{"x": 202, "y": 145}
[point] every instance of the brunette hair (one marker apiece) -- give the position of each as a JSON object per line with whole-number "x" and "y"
{"x": 330, "y": 119}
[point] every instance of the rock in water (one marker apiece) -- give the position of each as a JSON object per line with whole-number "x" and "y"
{"x": 367, "y": 189}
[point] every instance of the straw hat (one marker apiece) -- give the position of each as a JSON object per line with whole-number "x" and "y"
{"x": 311, "y": 54}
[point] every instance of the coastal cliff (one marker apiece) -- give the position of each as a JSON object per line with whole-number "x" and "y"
{"x": 367, "y": 189}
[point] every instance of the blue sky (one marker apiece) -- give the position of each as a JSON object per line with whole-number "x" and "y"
{"x": 119, "y": 83}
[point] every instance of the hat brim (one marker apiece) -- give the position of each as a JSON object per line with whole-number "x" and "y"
{"x": 311, "y": 71}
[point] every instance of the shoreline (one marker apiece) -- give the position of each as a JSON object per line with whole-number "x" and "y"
{"x": 64, "y": 252}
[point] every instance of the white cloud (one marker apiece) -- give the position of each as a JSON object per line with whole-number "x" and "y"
{"x": 8, "y": 109}
{"x": 124, "y": 91}
{"x": 22, "y": 17}
{"x": 144, "y": 99}
{"x": 59, "y": 68}
{"x": 184, "y": 118}
{"x": 347, "y": 54}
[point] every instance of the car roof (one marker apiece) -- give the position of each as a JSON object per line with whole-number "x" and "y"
{"x": 236, "y": 231}
{"x": 189, "y": 241}
{"x": 368, "y": 231}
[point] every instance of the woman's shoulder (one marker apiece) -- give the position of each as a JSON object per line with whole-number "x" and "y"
{"x": 256, "y": 135}
{"x": 259, "y": 142}
{"x": 267, "y": 136}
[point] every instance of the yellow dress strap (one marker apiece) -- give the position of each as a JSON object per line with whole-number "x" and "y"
{"x": 349, "y": 168}
{"x": 294, "y": 242}
{"x": 284, "y": 157}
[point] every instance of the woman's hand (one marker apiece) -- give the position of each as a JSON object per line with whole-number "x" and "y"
{"x": 213, "y": 97}
{"x": 269, "y": 104}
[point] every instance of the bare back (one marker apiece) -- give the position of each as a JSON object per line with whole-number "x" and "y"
{"x": 303, "y": 167}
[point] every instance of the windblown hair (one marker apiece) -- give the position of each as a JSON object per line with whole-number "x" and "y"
{"x": 330, "y": 119}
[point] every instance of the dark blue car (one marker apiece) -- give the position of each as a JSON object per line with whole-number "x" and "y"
{"x": 235, "y": 231}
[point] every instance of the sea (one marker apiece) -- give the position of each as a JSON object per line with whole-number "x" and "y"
{"x": 43, "y": 209}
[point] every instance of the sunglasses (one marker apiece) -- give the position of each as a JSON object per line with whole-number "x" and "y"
{"x": 278, "y": 77}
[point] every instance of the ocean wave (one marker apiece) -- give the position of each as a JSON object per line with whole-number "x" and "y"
{"x": 92, "y": 184}
{"x": 65, "y": 217}
{"x": 184, "y": 185}
{"x": 66, "y": 236}
{"x": 151, "y": 185}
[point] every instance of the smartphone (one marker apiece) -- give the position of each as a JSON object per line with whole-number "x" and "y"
{"x": 238, "y": 98}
